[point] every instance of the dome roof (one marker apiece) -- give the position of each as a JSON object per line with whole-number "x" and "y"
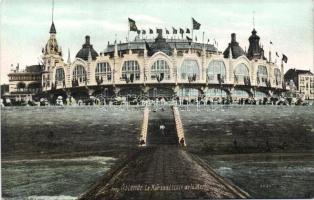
{"x": 160, "y": 44}
{"x": 87, "y": 49}
{"x": 236, "y": 50}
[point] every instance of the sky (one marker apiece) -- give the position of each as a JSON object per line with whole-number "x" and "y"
{"x": 25, "y": 25}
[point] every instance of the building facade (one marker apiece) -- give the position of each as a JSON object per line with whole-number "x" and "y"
{"x": 160, "y": 68}
{"x": 24, "y": 84}
{"x": 303, "y": 81}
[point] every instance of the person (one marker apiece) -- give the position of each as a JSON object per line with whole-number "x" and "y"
{"x": 162, "y": 128}
{"x": 182, "y": 142}
{"x": 142, "y": 142}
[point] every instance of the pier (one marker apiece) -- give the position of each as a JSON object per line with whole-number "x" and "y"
{"x": 162, "y": 169}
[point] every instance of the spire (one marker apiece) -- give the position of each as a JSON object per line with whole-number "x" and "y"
{"x": 115, "y": 47}
{"x": 52, "y": 28}
{"x": 69, "y": 57}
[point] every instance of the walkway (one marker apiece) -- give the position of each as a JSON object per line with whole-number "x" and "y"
{"x": 162, "y": 170}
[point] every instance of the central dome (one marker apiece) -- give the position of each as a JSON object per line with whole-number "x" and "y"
{"x": 86, "y": 48}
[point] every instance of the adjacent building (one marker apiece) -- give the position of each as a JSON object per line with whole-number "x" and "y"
{"x": 24, "y": 84}
{"x": 302, "y": 82}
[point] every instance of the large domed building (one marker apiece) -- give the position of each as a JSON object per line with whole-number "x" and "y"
{"x": 161, "y": 67}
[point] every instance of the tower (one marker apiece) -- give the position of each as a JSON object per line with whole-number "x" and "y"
{"x": 52, "y": 57}
{"x": 255, "y": 51}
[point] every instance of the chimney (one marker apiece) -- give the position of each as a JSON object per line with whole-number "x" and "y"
{"x": 87, "y": 39}
{"x": 233, "y": 37}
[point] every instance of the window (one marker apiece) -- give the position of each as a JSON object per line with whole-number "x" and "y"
{"x": 60, "y": 78}
{"x": 262, "y": 75}
{"x": 190, "y": 70}
{"x": 21, "y": 87}
{"x": 240, "y": 93}
{"x": 241, "y": 73}
{"x": 188, "y": 92}
{"x": 160, "y": 70}
{"x": 216, "y": 71}
{"x": 277, "y": 76}
{"x": 79, "y": 74}
{"x": 103, "y": 72}
{"x": 216, "y": 92}
{"x": 260, "y": 95}
{"x": 131, "y": 71}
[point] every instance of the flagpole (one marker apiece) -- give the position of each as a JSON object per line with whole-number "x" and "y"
{"x": 203, "y": 40}
{"x": 129, "y": 36}
{"x": 192, "y": 29}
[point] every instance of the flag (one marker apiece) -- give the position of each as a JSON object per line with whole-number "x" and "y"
{"x": 181, "y": 31}
{"x": 143, "y": 32}
{"x": 277, "y": 54}
{"x": 284, "y": 58}
{"x": 189, "y": 40}
{"x": 132, "y": 25}
{"x": 196, "y": 25}
{"x": 151, "y": 31}
{"x": 174, "y": 31}
{"x": 159, "y": 31}
{"x": 187, "y": 30}
{"x": 167, "y": 32}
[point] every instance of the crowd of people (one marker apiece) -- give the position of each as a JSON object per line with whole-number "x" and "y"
{"x": 129, "y": 100}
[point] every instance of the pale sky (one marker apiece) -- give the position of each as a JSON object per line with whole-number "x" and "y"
{"x": 25, "y": 25}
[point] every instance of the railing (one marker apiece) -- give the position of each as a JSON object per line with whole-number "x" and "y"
{"x": 143, "y": 138}
{"x": 179, "y": 126}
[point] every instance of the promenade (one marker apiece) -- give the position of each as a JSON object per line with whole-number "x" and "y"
{"x": 162, "y": 170}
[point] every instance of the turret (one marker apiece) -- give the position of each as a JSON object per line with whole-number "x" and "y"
{"x": 255, "y": 51}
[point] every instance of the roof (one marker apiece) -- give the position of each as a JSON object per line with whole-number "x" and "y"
{"x": 291, "y": 73}
{"x": 86, "y": 50}
{"x": 34, "y": 68}
{"x": 53, "y": 28}
{"x": 236, "y": 50}
{"x": 139, "y": 44}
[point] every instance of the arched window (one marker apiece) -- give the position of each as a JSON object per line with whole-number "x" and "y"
{"x": 60, "y": 78}
{"x": 21, "y": 87}
{"x": 160, "y": 70}
{"x": 189, "y": 92}
{"x": 241, "y": 74}
{"x": 277, "y": 74}
{"x": 260, "y": 95}
{"x": 103, "y": 72}
{"x": 262, "y": 75}
{"x": 190, "y": 70}
{"x": 216, "y": 92}
{"x": 216, "y": 71}
{"x": 130, "y": 71}
{"x": 240, "y": 94}
{"x": 79, "y": 74}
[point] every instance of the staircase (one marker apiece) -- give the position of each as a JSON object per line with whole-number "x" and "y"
{"x": 155, "y": 136}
